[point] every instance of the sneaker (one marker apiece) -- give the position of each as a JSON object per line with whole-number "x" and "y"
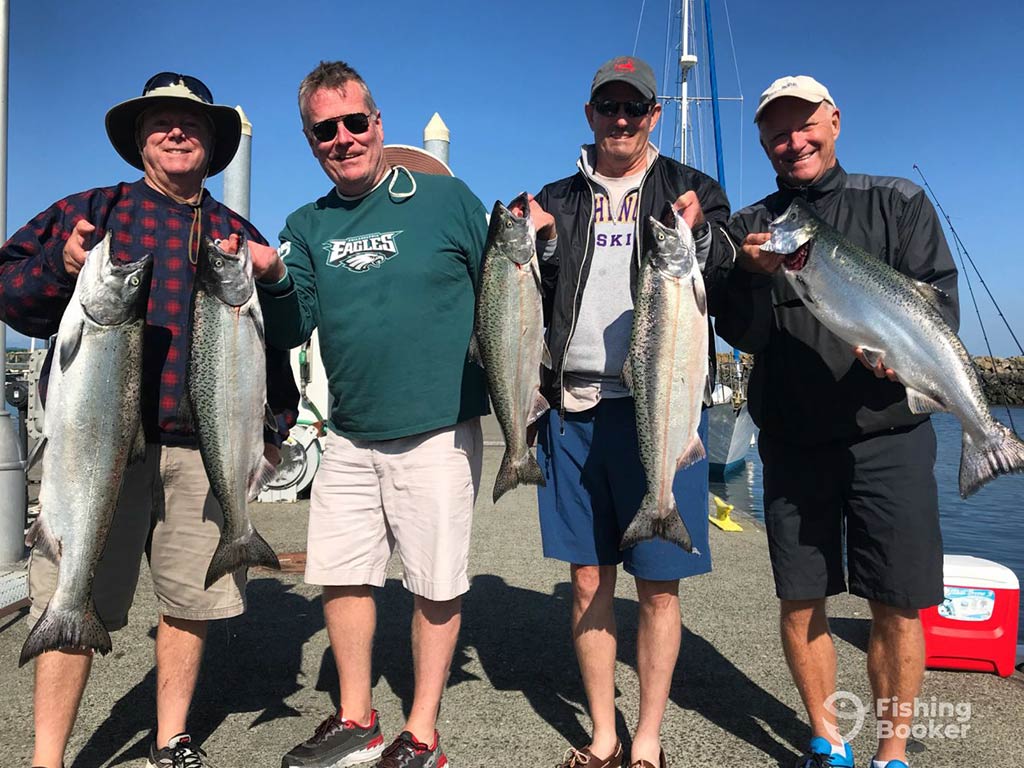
{"x": 179, "y": 753}
{"x": 820, "y": 756}
{"x": 337, "y": 743}
{"x": 584, "y": 758}
{"x": 893, "y": 763}
{"x": 406, "y": 752}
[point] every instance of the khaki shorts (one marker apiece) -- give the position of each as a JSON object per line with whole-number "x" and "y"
{"x": 166, "y": 496}
{"x": 414, "y": 493}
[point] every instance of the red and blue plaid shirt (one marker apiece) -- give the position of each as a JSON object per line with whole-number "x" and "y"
{"x": 35, "y": 288}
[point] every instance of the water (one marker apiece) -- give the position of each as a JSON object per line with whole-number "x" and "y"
{"x": 989, "y": 524}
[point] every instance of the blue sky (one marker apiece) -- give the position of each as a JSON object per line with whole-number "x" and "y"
{"x": 917, "y": 82}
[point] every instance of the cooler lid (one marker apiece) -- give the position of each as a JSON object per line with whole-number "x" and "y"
{"x": 967, "y": 570}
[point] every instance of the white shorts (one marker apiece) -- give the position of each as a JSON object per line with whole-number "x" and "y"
{"x": 415, "y": 492}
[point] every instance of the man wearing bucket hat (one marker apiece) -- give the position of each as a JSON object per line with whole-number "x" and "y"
{"x": 177, "y": 136}
{"x": 843, "y": 456}
{"x": 590, "y": 227}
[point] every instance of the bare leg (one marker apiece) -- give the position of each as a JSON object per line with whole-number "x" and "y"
{"x": 896, "y": 669}
{"x": 594, "y": 635}
{"x": 351, "y": 617}
{"x": 811, "y": 656}
{"x": 658, "y": 637}
{"x": 435, "y": 631}
{"x": 179, "y": 653}
{"x": 60, "y": 681}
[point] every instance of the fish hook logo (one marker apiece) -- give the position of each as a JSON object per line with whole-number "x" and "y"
{"x": 849, "y": 712}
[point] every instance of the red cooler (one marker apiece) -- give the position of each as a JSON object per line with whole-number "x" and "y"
{"x": 975, "y": 627}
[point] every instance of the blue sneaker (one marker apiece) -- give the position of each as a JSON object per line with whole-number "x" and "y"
{"x": 892, "y": 763}
{"x": 820, "y": 756}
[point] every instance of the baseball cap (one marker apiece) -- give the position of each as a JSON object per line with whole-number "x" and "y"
{"x": 629, "y": 70}
{"x": 799, "y": 87}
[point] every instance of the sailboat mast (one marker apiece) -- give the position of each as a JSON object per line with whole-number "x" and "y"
{"x": 687, "y": 61}
{"x": 716, "y": 116}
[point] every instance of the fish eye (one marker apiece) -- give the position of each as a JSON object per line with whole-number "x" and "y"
{"x": 661, "y": 236}
{"x": 133, "y": 280}
{"x": 218, "y": 263}
{"x": 508, "y": 225}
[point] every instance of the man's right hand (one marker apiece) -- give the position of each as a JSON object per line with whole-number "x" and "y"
{"x": 74, "y": 248}
{"x": 753, "y": 259}
{"x": 543, "y": 222}
{"x": 267, "y": 265}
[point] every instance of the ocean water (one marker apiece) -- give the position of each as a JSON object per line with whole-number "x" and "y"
{"x": 989, "y": 524}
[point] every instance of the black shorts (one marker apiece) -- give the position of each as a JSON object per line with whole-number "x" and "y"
{"x": 880, "y": 491}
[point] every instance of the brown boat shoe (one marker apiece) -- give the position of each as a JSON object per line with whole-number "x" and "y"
{"x": 644, "y": 764}
{"x": 584, "y": 758}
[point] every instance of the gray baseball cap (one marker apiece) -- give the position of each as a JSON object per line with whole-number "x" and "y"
{"x": 629, "y": 70}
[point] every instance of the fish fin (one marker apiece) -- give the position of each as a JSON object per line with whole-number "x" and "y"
{"x": 1001, "y": 453}
{"x": 545, "y": 356}
{"x": 65, "y": 629}
{"x": 709, "y": 394}
{"x": 241, "y": 553}
{"x": 700, "y": 295}
{"x": 540, "y": 407}
{"x": 40, "y": 537}
{"x": 694, "y": 452}
{"x": 36, "y": 453}
{"x": 647, "y": 524}
{"x": 69, "y": 346}
{"x": 513, "y": 473}
{"x": 627, "y": 374}
{"x": 474, "y": 351}
{"x": 138, "y": 450}
{"x": 257, "y": 322}
{"x": 261, "y": 478}
{"x": 873, "y": 356}
{"x": 270, "y": 420}
{"x": 937, "y": 297}
{"x": 922, "y": 403}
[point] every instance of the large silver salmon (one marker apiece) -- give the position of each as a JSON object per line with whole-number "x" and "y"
{"x": 227, "y": 389}
{"x": 92, "y": 430}
{"x": 509, "y": 338}
{"x": 868, "y": 304}
{"x": 666, "y": 369}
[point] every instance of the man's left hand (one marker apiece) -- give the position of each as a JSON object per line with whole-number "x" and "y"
{"x": 689, "y": 208}
{"x": 878, "y": 368}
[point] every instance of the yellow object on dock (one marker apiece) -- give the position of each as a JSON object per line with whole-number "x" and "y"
{"x": 721, "y": 517}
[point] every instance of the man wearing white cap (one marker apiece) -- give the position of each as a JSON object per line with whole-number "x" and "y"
{"x": 177, "y": 136}
{"x": 844, "y": 458}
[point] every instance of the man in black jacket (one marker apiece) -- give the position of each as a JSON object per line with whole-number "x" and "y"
{"x": 590, "y": 228}
{"x": 840, "y": 448}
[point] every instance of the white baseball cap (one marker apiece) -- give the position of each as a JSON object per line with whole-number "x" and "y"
{"x": 799, "y": 87}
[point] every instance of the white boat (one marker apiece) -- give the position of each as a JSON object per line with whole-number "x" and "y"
{"x": 731, "y": 433}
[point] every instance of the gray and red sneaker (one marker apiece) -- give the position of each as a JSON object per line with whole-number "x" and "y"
{"x": 337, "y": 743}
{"x": 406, "y": 752}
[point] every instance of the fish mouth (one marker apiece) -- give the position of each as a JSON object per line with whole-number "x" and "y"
{"x": 796, "y": 260}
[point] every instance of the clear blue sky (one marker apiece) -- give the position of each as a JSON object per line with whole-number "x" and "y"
{"x": 928, "y": 82}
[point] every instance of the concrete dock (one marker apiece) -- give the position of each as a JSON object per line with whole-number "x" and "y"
{"x": 514, "y": 697}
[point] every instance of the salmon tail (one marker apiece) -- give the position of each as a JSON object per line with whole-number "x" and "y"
{"x": 65, "y": 629}
{"x": 232, "y": 555}
{"x": 647, "y": 524}
{"x": 1000, "y": 454}
{"x": 513, "y": 473}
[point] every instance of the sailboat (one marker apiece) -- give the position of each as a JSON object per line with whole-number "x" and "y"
{"x": 731, "y": 430}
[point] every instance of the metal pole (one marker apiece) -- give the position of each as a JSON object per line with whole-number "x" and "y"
{"x": 237, "y": 174}
{"x": 687, "y": 61}
{"x": 437, "y": 138}
{"x": 714, "y": 95}
{"x": 13, "y": 492}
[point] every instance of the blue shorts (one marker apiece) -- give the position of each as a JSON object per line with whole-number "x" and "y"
{"x": 595, "y": 483}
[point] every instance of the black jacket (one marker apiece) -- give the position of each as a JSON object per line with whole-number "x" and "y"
{"x": 565, "y": 273}
{"x": 806, "y": 386}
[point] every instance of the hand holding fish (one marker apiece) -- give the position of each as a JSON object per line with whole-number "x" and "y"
{"x": 753, "y": 258}
{"x": 877, "y": 367}
{"x": 267, "y": 265}
{"x": 74, "y": 248}
{"x": 689, "y": 209}
{"x": 543, "y": 221}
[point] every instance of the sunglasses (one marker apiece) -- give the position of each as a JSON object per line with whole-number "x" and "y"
{"x": 355, "y": 123}
{"x": 165, "y": 79}
{"x": 610, "y": 108}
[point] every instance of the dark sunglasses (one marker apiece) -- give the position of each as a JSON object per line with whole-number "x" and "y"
{"x": 326, "y": 130}
{"x": 194, "y": 84}
{"x": 610, "y": 108}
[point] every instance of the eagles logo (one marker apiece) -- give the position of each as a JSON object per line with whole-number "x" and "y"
{"x": 360, "y": 253}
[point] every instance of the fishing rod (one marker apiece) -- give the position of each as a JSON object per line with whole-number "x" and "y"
{"x": 961, "y": 250}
